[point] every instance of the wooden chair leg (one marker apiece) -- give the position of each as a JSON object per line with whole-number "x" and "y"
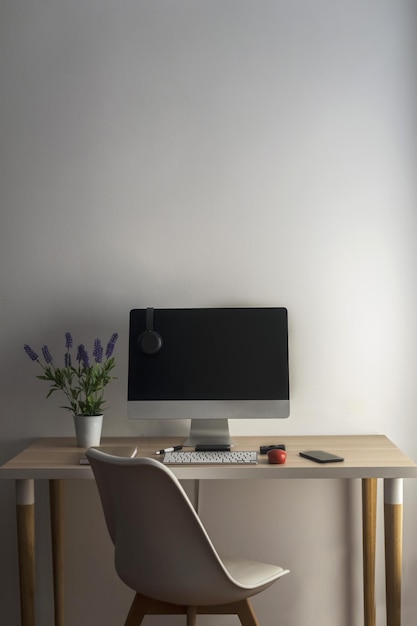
{"x": 137, "y": 611}
{"x": 246, "y": 613}
{"x": 142, "y": 606}
{"x": 191, "y": 616}
{"x": 242, "y": 608}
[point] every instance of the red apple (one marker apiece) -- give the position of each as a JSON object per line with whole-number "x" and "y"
{"x": 277, "y": 456}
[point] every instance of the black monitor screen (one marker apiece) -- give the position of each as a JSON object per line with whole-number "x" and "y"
{"x": 209, "y": 354}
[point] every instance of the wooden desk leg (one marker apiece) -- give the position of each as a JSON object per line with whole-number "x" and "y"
{"x": 25, "y": 512}
{"x": 56, "y": 505}
{"x": 393, "y": 515}
{"x": 369, "y": 498}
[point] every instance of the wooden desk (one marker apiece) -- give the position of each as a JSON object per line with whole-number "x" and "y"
{"x": 366, "y": 458}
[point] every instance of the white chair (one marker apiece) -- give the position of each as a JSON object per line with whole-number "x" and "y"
{"x": 162, "y": 550}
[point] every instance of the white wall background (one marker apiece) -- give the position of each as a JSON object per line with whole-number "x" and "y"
{"x": 179, "y": 153}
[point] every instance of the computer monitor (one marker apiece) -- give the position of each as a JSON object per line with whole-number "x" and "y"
{"x": 208, "y": 365}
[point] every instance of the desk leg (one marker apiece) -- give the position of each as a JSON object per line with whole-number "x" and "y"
{"x": 56, "y": 504}
{"x": 393, "y": 516}
{"x": 369, "y": 498}
{"x": 25, "y": 512}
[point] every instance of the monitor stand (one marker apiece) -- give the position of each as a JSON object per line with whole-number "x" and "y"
{"x": 209, "y": 431}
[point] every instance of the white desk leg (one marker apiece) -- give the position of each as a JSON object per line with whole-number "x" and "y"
{"x": 25, "y": 512}
{"x": 369, "y": 498}
{"x": 393, "y": 515}
{"x": 56, "y": 506}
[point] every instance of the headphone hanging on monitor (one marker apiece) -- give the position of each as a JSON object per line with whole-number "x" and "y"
{"x": 150, "y": 342}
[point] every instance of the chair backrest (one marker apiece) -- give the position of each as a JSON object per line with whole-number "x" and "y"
{"x": 161, "y": 547}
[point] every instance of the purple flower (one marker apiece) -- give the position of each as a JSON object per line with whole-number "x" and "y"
{"x": 67, "y": 359}
{"x": 98, "y": 351}
{"x": 111, "y": 344}
{"x": 82, "y": 356}
{"x": 46, "y": 354}
{"x": 31, "y": 353}
{"x": 68, "y": 340}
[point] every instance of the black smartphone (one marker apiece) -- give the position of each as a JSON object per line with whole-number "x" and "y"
{"x": 319, "y": 456}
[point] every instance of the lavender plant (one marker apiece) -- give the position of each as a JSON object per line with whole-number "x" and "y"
{"x": 82, "y": 383}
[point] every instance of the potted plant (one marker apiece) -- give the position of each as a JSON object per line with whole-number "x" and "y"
{"x": 82, "y": 383}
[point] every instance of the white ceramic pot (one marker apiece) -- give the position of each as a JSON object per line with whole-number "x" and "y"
{"x": 88, "y": 430}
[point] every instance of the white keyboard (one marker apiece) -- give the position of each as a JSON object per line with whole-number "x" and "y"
{"x": 233, "y": 457}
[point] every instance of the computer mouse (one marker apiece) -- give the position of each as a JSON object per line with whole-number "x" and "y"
{"x": 277, "y": 456}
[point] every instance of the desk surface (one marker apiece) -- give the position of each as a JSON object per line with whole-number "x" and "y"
{"x": 366, "y": 456}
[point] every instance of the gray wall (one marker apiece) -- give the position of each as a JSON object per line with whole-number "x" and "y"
{"x": 178, "y": 153}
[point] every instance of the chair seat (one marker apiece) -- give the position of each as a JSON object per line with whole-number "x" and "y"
{"x": 252, "y": 574}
